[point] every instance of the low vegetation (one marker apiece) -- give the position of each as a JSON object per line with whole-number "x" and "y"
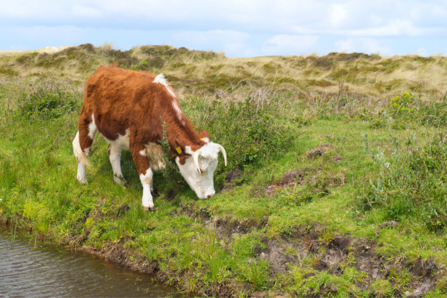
{"x": 335, "y": 185}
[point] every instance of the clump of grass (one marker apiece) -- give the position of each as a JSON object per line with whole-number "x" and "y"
{"x": 411, "y": 183}
{"x": 46, "y": 104}
{"x": 8, "y": 72}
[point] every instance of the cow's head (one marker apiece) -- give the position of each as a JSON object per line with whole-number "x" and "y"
{"x": 198, "y": 164}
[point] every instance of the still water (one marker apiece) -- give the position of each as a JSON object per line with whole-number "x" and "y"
{"x": 50, "y": 271}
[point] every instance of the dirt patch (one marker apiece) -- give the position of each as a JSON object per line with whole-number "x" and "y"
{"x": 232, "y": 179}
{"x": 337, "y": 158}
{"x": 233, "y": 175}
{"x": 293, "y": 177}
{"x": 290, "y": 180}
{"x": 225, "y": 227}
{"x": 321, "y": 150}
{"x": 315, "y": 179}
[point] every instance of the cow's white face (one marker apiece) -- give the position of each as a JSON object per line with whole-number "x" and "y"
{"x": 200, "y": 179}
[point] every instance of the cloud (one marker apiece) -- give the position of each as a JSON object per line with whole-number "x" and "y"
{"x": 238, "y": 27}
{"x": 84, "y": 11}
{"x": 364, "y": 45}
{"x": 338, "y": 14}
{"x": 227, "y": 40}
{"x": 285, "y": 44}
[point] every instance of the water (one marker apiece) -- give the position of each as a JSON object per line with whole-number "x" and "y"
{"x": 49, "y": 271}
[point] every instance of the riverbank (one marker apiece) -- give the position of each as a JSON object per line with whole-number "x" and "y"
{"x": 328, "y": 192}
{"x": 32, "y": 268}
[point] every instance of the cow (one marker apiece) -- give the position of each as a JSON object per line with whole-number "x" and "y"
{"x": 128, "y": 109}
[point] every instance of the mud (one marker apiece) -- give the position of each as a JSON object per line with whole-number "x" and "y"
{"x": 318, "y": 184}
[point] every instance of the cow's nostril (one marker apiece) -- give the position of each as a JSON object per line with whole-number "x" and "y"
{"x": 209, "y": 196}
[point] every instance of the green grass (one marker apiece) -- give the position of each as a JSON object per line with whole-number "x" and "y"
{"x": 361, "y": 165}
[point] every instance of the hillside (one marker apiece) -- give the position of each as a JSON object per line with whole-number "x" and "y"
{"x": 336, "y": 184}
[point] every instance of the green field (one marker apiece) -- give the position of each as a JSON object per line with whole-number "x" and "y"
{"x": 336, "y": 184}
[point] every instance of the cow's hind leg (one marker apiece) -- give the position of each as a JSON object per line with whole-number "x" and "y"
{"x": 146, "y": 174}
{"x": 115, "y": 160}
{"x": 82, "y": 144}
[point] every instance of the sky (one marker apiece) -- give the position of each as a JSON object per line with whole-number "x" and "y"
{"x": 240, "y": 28}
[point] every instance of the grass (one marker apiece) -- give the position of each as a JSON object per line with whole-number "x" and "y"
{"x": 328, "y": 179}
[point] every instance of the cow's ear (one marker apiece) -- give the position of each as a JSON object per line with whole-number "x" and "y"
{"x": 205, "y": 136}
{"x": 180, "y": 149}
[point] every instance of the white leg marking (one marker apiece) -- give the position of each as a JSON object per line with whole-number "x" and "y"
{"x": 146, "y": 181}
{"x": 115, "y": 160}
{"x": 92, "y": 128}
{"x": 81, "y": 158}
{"x": 82, "y": 178}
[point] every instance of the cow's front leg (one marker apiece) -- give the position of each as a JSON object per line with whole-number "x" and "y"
{"x": 146, "y": 174}
{"x": 115, "y": 161}
{"x": 146, "y": 181}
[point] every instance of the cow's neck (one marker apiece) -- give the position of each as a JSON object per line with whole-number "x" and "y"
{"x": 183, "y": 131}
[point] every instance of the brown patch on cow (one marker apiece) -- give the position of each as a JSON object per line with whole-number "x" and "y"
{"x": 204, "y": 134}
{"x": 182, "y": 160}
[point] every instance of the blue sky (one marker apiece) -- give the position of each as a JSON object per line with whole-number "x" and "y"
{"x": 240, "y": 28}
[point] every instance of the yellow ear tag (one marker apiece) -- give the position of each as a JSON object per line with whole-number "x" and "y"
{"x": 179, "y": 150}
{"x": 202, "y": 139}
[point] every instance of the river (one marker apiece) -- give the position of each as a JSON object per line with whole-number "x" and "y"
{"x": 56, "y": 271}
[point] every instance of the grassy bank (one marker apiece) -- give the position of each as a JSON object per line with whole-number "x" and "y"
{"x": 335, "y": 185}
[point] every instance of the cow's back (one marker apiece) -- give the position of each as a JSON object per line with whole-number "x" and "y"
{"x": 116, "y": 97}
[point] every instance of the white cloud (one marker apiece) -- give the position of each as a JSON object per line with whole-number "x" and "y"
{"x": 364, "y": 45}
{"x": 338, "y": 14}
{"x": 422, "y": 52}
{"x": 228, "y": 41}
{"x": 234, "y": 26}
{"x": 84, "y": 11}
{"x": 285, "y": 44}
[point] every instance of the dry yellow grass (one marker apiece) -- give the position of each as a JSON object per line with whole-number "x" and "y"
{"x": 202, "y": 72}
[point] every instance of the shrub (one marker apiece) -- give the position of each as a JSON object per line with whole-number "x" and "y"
{"x": 247, "y": 129}
{"x": 411, "y": 184}
{"x": 46, "y": 104}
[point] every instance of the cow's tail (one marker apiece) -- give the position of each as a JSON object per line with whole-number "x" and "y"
{"x": 79, "y": 154}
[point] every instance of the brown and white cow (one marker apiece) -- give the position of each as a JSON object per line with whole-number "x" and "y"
{"x": 127, "y": 108}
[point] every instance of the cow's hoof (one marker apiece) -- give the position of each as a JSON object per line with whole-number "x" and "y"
{"x": 147, "y": 209}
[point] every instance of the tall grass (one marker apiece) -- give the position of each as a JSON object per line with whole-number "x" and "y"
{"x": 411, "y": 182}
